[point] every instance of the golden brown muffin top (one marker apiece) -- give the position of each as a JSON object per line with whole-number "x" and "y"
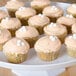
{"x": 38, "y": 20}
{"x": 10, "y": 23}
{"x": 55, "y": 29}
{"x": 14, "y": 4}
{"x": 48, "y": 44}
{"x": 16, "y": 45}
{"x": 5, "y": 35}
{"x": 3, "y": 14}
{"x": 67, "y": 20}
{"x": 53, "y": 11}
{"x": 25, "y": 12}
{"x": 27, "y": 32}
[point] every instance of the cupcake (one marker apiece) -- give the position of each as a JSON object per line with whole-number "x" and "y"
{"x": 72, "y": 9}
{"x": 53, "y": 12}
{"x": 24, "y": 13}
{"x": 39, "y": 21}
{"x": 74, "y": 28}
{"x": 48, "y": 48}
{"x": 39, "y": 5}
{"x": 30, "y": 34}
{"x": 3, "y": 14}
{"x": 67, "y": 21}
{"x": 12, "y": 24}
{"x": 16, "y": 50}
{"x": 70, "y": 43}
{"x": 12, "y": 6}
{"x": 5, "y": 35}
{"x": 56, "y": 30}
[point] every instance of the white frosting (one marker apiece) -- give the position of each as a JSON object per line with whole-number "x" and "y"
{"x": 73, "y": 36}
{"x": 21, "y": 8}
{"x": 70, "y": 37}
{"x": 22, "y": 29}
{"x": 41, "y": 15}
{"x": 52, "y": 24}
{"x": 53, "y": 38}
{"x": 69, "y": 16}
{"x": 20, "y": 43}
{"x": 74, "y": 5}
{"x": 6, "y": 19}
{"x": 54, "y": 8}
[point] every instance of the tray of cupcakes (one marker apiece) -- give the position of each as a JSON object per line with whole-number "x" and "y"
{"x": 37, "y": 34}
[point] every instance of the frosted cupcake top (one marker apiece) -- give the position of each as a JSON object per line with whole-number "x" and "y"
{"x": 16, "y": 45}
{"x": 3, "y": 14}
{"x": 55, "y": 29}
{"x": 48, "y": 44}
{"x": 72, "y": 9}
{"x": 71, "y": 40}
{"x": 40, "y": 3}
{"x": 27, "y": 32}
{"x": 74, "y": 28}
{"x": 25, "y": 12}
{"x": 14, "y": 4}
{"x": 68, "y": 20}
{"x": 38, "y": 20}
{"x": 10, "y": 23}
{"x": 5, "y": 35}
{"x": 53, "y": 11}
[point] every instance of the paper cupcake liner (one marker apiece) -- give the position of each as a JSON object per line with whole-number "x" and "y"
{"x": 11, "y": 13}
{"x": 12, "y": 31}
{"x": 48, "y": 56}
{"x": 24, "y": 21}
{"x": 16, "y": 58}
{"x": 32, "y": 41}
{"x": 62, "y": 37}
{"x": 38, "y": 9}
{"x": 71, "y": 52}
{"x": 1, "y": 47}
{"x": 69, "y": 29}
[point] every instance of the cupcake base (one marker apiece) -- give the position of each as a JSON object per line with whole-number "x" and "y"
{"x": 48, "y": 56}
{"x": 1, "y": 47}
{"x": 11, "y": 13}
{"x": 23, "y": 21}
{"x": 62, "y": 37}
{"x": 32, "y": 41}
{"x": 16, "y": 58}
{"x": 71, "y": 52}
{"x": 12, "y": 31}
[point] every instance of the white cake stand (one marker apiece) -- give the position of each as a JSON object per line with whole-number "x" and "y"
{"x": 34, "y": 66}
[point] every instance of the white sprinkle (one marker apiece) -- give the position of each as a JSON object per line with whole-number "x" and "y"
{"x": 41, "y": 15}
{"x": 74, "y": 36}
{"x": 53, "y": 38}
{"x": 20, "y": 43}
{"x": 70, "y": 37}
{"x": 52, "y": 24}
{"x": 69, "y": 16}
{"x": 54, "y": 8}
{"x": 21, "y": 8}
{"x": 74, "y": 5}
{"x": 23, "y": 29}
